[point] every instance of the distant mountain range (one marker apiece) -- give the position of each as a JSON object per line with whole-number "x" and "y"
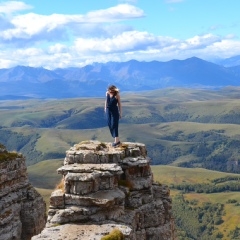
{"x": 229, "y": 62}
{"x": 92, "y": 80}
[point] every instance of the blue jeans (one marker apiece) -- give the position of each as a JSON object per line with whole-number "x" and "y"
{"x": 112, "y": 120}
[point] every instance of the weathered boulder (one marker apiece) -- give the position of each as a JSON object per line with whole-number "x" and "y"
{"x": 104, "y": 188}
{"x": 22, "y": 209}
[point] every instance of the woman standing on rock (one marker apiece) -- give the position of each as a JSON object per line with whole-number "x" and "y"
{"x": 113, "y": 110}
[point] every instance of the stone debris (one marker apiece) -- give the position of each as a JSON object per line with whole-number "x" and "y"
{"x": 106, "y": 188}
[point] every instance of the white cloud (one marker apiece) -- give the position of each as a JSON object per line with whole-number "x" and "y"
{"x": 29, "y": 52}
{"x": 146, "y": 47}
{"x": 5, "y": 63}
{"x": 215, "y": 27}
{"x": 134, "y": 41}
{"x": 223, "y": 49}
{"x": 199, "y": 42}
{"x": 57, "y": 48}
{"x": 59, "y": 40}
{"x": 120, "y": 12}
{"x": 31, "y": 29}
{"x": 127, "y": 41}
{"x": 98, "y": 31}
{"x": 230, "y": 36}
{"x": 4, "y": 23}
{"x": 141, "y": 46}
{"x": 13, "y": 6}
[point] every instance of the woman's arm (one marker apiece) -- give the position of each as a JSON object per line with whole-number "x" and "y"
{"x": 119, "y": 105}
{"x": 105, "y": 105}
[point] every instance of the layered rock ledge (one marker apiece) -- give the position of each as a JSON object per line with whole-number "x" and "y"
{"x": 105, "y": 188}
{"x": 22, "y": 209}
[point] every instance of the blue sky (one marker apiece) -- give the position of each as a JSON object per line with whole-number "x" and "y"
{"x": 74, "y": 33}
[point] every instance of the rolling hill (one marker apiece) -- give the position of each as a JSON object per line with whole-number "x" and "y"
{"x": 181, "y": 127}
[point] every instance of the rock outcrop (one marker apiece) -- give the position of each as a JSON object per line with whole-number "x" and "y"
{"x": 105, "y": 188}
{"x": 22, "y": 209}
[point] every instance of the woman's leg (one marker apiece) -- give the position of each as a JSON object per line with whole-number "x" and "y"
{"x": 110, "y": 121}
{"x": 115, "y": 126}
{"x": 116, "y": 139}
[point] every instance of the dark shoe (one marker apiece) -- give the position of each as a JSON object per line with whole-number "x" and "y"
{"x": 116, "y": 144}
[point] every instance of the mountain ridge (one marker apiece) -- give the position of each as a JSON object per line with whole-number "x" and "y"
{"x": 128, "y": 76}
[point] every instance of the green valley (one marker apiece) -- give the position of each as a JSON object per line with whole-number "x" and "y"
{"x": 205, "y": 215}
{"x": 181, "y": 127}
{"x": 192, "y": 137}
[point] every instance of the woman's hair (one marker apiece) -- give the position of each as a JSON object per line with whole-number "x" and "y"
{"x": 114, "y": 89}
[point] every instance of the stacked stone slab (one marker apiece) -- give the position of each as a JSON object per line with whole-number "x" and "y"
{"x": 105, "y": 186}
{"x": 22, "y": 209}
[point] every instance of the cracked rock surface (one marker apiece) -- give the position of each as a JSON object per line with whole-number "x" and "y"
{"x": 22, "y": 209}
{"x": 104, "y": 188}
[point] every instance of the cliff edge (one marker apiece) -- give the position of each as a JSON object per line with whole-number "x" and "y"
{"x": 22, "y": 209}
{"x": 105, "y": 188}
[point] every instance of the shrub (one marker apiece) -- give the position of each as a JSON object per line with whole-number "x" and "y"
{"x": 231, "y": 201}
{"x": 125, "y": 183}
{"x": 61, "y": 185}
{"x": 5, "y": 156}
{"x": 115, "y": 234}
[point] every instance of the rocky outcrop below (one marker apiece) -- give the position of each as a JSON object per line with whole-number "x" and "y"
{"x": 22, "y": 209}
{"x": 104, "y": 188}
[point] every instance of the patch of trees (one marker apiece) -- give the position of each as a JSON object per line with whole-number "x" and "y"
{"x": 201, "y": 145}
{"x": 218, "y": 155}
{"x": 164, "y": 155}
{"x": 206, "y": 147}
{"x": 14, "y": 141}
{"x": 200, "y": 137}
{"x": 225, "y": 179}
{"x": 207, "y": 187}
{"x": 24, "y": 144}
{"x": 197, "y": 222}
{"x": 176, "y": 116}
{"x": 54, "y": 155}
{"x": 234, "y": 234}
{"x": 231, "y": 201}
{"x": 231, "y": 117}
